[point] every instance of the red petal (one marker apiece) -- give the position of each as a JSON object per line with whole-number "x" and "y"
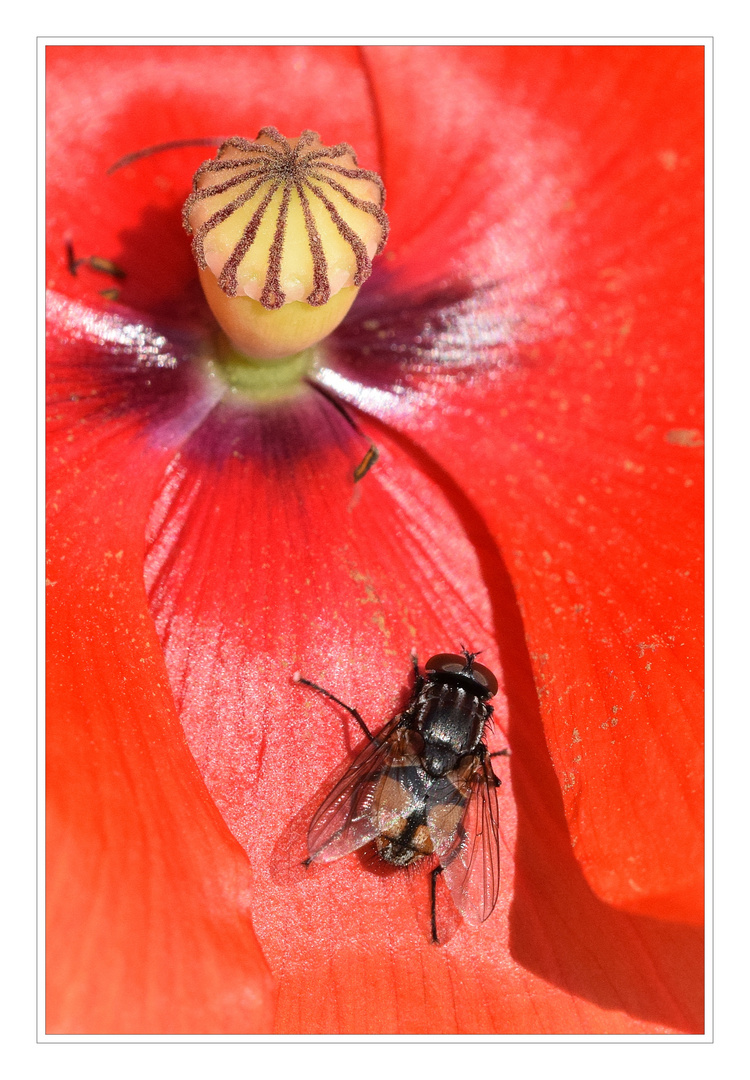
{"x": 147, "y": 893}
{"x": 655, "y": 964}
{"x": 256, "y": 570}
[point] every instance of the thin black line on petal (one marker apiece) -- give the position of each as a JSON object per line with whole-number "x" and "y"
{"x": 160, "y": 148}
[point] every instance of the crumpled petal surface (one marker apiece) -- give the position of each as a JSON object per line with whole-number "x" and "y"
{"x": 530, "y": 347}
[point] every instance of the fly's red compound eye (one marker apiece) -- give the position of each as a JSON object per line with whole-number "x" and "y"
{"x": 445, "y": 661}
{"x": 484, "y": 676}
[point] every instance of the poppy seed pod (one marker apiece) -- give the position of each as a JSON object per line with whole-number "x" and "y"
{"x": 284, "y": 233}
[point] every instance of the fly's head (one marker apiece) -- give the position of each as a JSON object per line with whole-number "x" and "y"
{"x": 450, "y": 667}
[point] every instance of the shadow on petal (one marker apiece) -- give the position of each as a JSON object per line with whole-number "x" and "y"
{"x": 559, "y": 929}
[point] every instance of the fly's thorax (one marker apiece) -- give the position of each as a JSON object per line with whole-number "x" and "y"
{"x": 406, "y": 744}
{"x": 439, "y": 758}
{"x": 451, "y": 721}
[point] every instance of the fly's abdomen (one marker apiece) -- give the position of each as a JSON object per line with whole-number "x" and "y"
{"x": 400, "y": 798}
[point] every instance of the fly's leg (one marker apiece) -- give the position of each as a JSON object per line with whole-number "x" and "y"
{"x": 433, "y": 903}
{"x": 418, "y": 678}
{"x": 327, "y": 693}
{"x": 452, "y": 854}
{"x": 495, "y": 781}
{"x": 350, "y": 709}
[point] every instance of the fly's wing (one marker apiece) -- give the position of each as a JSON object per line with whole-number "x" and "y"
{"x": 462, "y": 815}
{"x": 355, "y": 811}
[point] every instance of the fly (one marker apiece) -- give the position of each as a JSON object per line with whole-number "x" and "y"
{"x": 424, "y": 787}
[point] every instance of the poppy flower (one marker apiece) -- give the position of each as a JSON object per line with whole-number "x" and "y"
{"x": 527, "y": 357}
